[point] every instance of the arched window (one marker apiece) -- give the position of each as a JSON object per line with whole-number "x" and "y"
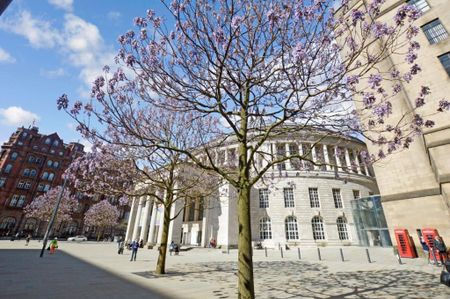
{"x": 49, "y": 163}
{"x": 317, "y": 228}
{"x": 291, "y": 228}
{"x": 14, "y": 156}
{"x": 8, "y": 223}
{"x": 32, "y": 173}
{"x": 55, "y": 143}
{"x": 51, "y": 176}
{"x": 45, "y": 175}
{"x": 30, "y": 224}
{"x": 31, "y": 159}
{"x": 55, "y": 164}
{"x": 265, "y": 228}
{"x": 26, "y": 172}
{"x": 48, "y": 141}
{"x": 8, "y": 168}
{"x": 342, "y": 228}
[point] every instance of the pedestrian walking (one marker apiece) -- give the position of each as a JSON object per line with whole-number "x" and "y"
{"x": 439, "y": 245}
{"x": 28, "y": 240}
{"x": 134, "y": 250}
{"x": 53, "y": 245}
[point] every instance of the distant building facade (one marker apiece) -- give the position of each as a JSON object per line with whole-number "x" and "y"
{"x": 32, "y": 163}
{"x": 415, "y": 183}
{"x": 297, "y": 204}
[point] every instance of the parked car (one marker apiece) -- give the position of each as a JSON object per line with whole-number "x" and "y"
{"x": 77, "y": 238}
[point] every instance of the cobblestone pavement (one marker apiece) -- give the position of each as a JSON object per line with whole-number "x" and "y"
{"x": 208, "y": 273}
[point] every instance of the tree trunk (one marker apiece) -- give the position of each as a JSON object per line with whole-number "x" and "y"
{"x": 161, "y": 265}
{"x": 99, "y": 234}
{"x": 246, "y": 285}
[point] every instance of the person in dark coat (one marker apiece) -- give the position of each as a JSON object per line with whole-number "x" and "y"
{"x": 134, "y": 250}
{"x": 439, "y": 245}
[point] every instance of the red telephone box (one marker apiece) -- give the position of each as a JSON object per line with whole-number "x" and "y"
{"x": 428, "y": 236}
{"x": 405, "y": 244}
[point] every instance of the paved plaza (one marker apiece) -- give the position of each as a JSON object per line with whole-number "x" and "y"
{"x": 95, "y": 270}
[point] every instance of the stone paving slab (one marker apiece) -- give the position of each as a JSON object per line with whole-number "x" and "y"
{"x": 209, "y": 273}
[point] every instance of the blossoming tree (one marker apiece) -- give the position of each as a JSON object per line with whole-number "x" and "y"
{"x": 258, "y": 69}
{"x": 101, "y": 215}
{"x": 42, "y": 207}
{"x": 121, "y": 168}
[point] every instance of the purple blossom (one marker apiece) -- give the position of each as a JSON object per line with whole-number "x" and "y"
{"x": 420, "y": 102}
{"x": 130, "y": 60}
{"x": 397, "y": 88}
{"x": 62, "y": 102}
{"x": 443, "y": 105}
{"x": 141, "y": 22}
{"x": 298, "y": 52}
{"x": 368, "y": 99}
{"x": 383, "y": 110}
{"x": 219, "y": 36}
{"x": 429, "y": 124}
{"x": 375, "y": 80}
{"x": 357, "y": 15}
{"x": 76, "y": 108}
{"x": 236, "y": 22}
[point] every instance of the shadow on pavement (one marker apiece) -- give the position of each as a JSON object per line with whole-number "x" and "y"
{"x": 24, "y": 275}
{"x": 290, "y": 279}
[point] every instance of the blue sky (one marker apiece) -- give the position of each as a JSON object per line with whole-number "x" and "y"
{"x": 50, "y": 47}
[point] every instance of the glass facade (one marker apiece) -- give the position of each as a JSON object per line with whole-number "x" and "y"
{"x": 370, "y": 222}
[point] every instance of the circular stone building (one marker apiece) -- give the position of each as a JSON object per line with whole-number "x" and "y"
{"x": 296, "y": 203}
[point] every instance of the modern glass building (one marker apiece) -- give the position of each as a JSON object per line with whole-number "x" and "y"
{"x": 370, "y": 222}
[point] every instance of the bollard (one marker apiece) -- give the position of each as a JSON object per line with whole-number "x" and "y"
{"x": 299, "y": 253}
{"x": 318, "y": 254}
{"x": 265, "y": 251}
{"x": 368, "y": 256}
{"x": 434, "y": 256}
{"x": 281, "y": 251}
{"x": 342, "y": 254}
{"x": 399, "y": 259}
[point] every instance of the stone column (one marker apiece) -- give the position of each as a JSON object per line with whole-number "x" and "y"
{"x": 358, "y": 166}
{"x": 161, "y": 223}
{"x": 326, "y": 157}
{"x": 138, "y": 219}
{"x": 314, "y": 156}
{"x": 177, "y": 223}
{"x": 144, "y": 229}
{"x": 338, "y": 160}
{"x": 288, "y": 153}
{"x": 347, "y": 161}
{"x": 205, "y": 238}
{"x": 131, "y": 220}
{"x": 151, "y": 231}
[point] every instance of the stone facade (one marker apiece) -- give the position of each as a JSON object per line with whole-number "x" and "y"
{"x": 283, "y": 206}
{"x": 415, "y": 183}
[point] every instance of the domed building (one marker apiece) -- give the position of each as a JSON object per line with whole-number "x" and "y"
{"x": 296, "y": 203}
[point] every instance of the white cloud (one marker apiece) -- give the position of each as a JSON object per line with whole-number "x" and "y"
{"x": 66, "y": 5}
{"x": 39, "y": 33}
{"x": 79, "y": 41}
{"x": 87, "y": 145}
{"x": 5, "y": 57}
{"x": 17, "y": 116}
{"x": 114, "y": 15}
{"x": 56, "y": 73}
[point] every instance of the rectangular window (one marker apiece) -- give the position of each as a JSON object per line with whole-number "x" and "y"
{"x": 191, "y": 212}
{"x": 263, "y": 198}
{"x": 27, "y": 185}
{"x": 288, "y": 197}
{"x": 421, "y": 5}
{"x": 314, "y": 198}
{"x": 435, "y": 31}
{"x": 46, "y": 188}
{"x": 337, "y": 198}
{"x": 13, "y": 201}
{"x": 356, "y": 194}
{"x": 40, "y": 187}
{"x": 2, "y": 182}
{"x": 21, "y": 185}
{"x": 445, "y": 60}
{"x": 281, "y": 153}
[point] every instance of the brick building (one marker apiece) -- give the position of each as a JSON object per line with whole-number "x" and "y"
{"x": 30, "y": 164}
